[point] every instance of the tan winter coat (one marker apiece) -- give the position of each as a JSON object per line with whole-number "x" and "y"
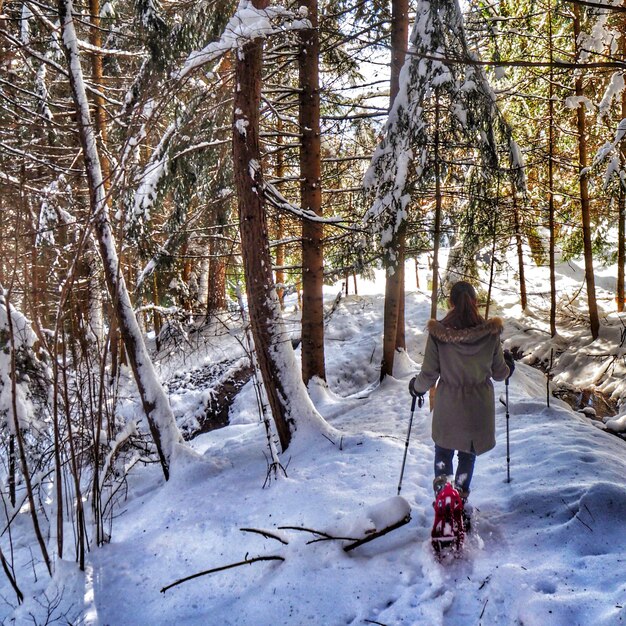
{"x": 464, "y": 362}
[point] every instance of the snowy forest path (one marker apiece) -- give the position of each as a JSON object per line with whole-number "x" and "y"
{"x": 516, "y": 523}
{"x": 544, "y": 549}
{"x": 457, "y": 588}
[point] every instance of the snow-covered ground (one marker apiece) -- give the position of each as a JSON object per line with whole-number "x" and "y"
{"x": 546, "y": 548}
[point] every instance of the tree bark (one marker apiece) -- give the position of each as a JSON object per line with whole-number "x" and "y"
{"x": 399, "y": 46}
{"x": 216, "y": 294}
{"x": 280, "y": 226}
{"x": 94, "y": 310}
{"x": 520, "y": 252}
{"x": 437, "y": 228}
{"x": 311, "y": 199}
{"x": 585, "y": 205}
{"x": 262, "y": 299}
{"x": 621, "y": 210}
{"x": 390, "y": 315}
{"x": 551, "y": 148}
{"x": 393, "y": 316}
{"x": 286, "y": 394}
{"x": 154, "y": 400}
{"x": 97, "y": 74}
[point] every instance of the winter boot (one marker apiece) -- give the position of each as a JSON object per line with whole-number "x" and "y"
{"x": 439, "y": 483}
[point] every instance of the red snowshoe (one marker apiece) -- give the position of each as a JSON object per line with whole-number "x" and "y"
{"x": 448, "y": 531}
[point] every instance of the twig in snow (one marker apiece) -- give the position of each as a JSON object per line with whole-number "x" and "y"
{"x": 322, "y": 535}
{"x": 8, "y": 571}
{"x": 328, "y": 314}
{"x": 329, "y": 439}
{"x": 246, "y": 561}
{"x": 484, "y": 607}
{"x": 272, "y": 469}
{"x": 265, "y": 533}
{"x": 377, "y": 533}
{"x": 575, "y": 514}
{"x": 590, "y": 513}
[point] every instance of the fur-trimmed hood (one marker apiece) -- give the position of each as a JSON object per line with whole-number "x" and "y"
{"x": 493, "y": 326}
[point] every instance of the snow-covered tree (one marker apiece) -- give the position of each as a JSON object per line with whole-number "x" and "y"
{"x": 155, "y": 403}
{"x": 444, "y": 122}
{"x": 291, "y": 406}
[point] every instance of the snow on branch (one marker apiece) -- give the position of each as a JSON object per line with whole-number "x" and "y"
{"x": 573, "y": 102}
{"x": 45, "y": 58}
{"x": 247, "y": 24}
{"x": 130, "y": 430}
{"x": 612, "y": 93}
{"x": 33, "y": 9}
{"x": 156, "y": 168}
{"x": 601, "y": 35}
{"x": 24, "y": 336}
{"x": 609, "y": 151}
{"x": 404, "y": 157}
{"x": 278, "y": 201}
{"x": 440, "y": 73}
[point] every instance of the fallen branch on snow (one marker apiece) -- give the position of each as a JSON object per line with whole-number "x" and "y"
{"x": 265, "y": 533}
{"x": 246, "y": 561}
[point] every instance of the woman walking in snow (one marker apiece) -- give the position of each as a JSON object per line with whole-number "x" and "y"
{"x": 463, "y": 352}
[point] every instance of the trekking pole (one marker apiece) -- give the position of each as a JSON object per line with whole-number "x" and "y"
{"x": 508, "y": 446}
{"x": 408, "y": 436}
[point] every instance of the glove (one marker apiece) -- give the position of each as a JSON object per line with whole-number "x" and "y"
{"x": 510, "y": 361}
{"x": 416, "y": 394}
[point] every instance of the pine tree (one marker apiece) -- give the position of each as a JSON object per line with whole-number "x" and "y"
{"x": 311, "y": 199}
{"x": 155, "y": 402}
{"x": 444, "y": 100}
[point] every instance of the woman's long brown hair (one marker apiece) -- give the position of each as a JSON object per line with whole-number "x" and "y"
{"x": 464, "y": 312}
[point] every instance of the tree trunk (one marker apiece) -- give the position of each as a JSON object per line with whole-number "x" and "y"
{"x": 218, "y": 257}
{"x": 286, "y": 393}
{"x": 492, "y": 264}
{"x": 520, "y": 252}
{"x": 262, "y": 298}
{"x": 280, "y": 224}
{"x": 280, "y": 262}
{"x": 551, "y": 183}
{"x": 399, "y": 46}
{"x": 438, "y": 209}
{"x": 154, "y": 400}
{"x": 585, "y": 205}
{"x": 393, "y": 322}
{"x": 156, "y": 316}
{"x": 311, "y": 199}
{"x": 400, "y": 325}
{"x": 220, "y": 252}
{"x": 97, "y": 76}
{"x": 95, "y": 306}
{"x": 621, "y": 214}
{"x": 216, "y": 294}
{"x": 390, "y": 318}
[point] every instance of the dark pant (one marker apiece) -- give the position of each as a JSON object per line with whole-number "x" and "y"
{"x": 464, "y": 470}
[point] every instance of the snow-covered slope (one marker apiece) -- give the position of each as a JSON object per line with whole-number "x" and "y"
{"x": 545, "y": 549}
